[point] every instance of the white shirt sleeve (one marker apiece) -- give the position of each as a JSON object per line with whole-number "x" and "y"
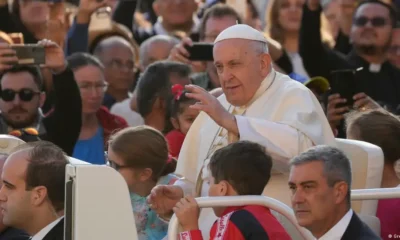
{"x": 282, "y": 141}
{"x": 187, "y": 186}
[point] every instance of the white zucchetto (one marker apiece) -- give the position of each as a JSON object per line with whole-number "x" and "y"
{"x": 241, "y": 31}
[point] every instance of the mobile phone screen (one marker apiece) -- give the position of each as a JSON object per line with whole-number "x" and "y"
{"x": 30, "y": 54}
{"x": 201, "y": 52}
{"x": 344, "y": 83}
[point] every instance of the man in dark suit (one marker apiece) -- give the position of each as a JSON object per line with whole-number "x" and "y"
{"x": 320, "y": 180}
{"x": 32, "y": 196}
{"x": 9, "y": 233}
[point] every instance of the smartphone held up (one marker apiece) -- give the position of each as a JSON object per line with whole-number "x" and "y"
{"x": 344, "y": 82}
{"x": 29, "y": 54}
{"x": 201, "y": 52}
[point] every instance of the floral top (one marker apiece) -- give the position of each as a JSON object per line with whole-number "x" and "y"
{"x": 148, "y": 225}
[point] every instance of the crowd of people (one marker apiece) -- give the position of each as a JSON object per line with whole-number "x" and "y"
{"x": 120, "y": 87}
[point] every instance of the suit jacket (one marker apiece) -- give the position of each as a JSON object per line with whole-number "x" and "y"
{"x": 358, "y": 230}
{"x": 57, "y": 232}
{"x": 13, "y": 234}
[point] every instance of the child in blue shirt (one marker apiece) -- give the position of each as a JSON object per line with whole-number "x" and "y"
{"x": 140, "y": 155}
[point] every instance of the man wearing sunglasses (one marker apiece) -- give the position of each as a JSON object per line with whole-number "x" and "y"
{"x": 21, "y": 98}
{"x": 370, "y": 35}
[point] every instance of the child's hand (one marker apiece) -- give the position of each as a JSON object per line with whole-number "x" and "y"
{"x": 187, "y": 211}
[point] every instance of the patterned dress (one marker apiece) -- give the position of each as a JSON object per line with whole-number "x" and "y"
{"x": 148, "y": 225}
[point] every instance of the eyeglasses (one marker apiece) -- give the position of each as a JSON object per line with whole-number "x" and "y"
{"x": 98, "y": 87}
{"x": 375, "y": 21}
{"x": 113, "y": 164}
{"x": 119, "y": 65}
{"x": 24, "y": 94}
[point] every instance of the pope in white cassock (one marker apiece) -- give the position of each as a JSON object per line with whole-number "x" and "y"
{"x": 258, "y": 104}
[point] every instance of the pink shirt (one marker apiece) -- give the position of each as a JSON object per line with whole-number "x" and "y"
{"x": 388, "y": 213}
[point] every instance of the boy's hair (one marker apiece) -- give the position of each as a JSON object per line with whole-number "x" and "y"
{"x": 244, "y": 165}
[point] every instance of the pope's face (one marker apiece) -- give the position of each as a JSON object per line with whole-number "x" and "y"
{"x": 241, "y": 69}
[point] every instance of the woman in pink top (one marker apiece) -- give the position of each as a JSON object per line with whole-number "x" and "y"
{"x": 382, "y": 129}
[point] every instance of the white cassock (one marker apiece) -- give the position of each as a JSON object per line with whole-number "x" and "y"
{"x": 284, "y": 116}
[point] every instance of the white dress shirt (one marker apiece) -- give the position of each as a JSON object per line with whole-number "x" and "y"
{"x": 42, "y": 233}
{"x": 337, "y": 231}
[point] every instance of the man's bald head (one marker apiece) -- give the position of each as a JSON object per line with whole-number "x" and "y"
{"x": 155, "y": 49}
{"x": 111, "y": 42}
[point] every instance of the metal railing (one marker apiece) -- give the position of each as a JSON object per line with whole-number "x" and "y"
{"x": 281, "y": 208}
{"x": 273, "y": 204}
{"x": 375, "y": 194}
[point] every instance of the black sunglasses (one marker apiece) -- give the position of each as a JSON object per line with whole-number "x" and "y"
{"x": 24, "y": 94}
{"x": 112, "y": 164}
{"x": 375, "y": 21}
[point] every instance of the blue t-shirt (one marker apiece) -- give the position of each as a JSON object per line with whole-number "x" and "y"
{"x": 91, "y": 150}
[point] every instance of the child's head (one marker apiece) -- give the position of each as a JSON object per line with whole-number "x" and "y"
{"x": 241, "y": 168}
{"x": 182, "y": 116}
{"x": 140, "y": 155}
{"x": 378, "y": 127}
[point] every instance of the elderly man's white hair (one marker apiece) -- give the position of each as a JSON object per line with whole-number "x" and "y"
{"x": 260, "y": 47}
{"x": 111, "y": 42}
{"x": 145, "y": 46}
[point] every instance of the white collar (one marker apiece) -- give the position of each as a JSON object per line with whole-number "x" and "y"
{"x": 337, "y": 231}
{"x": 160, "y": 30}
{"x": 42, "y": 233}
{"x": 375, "y": 68}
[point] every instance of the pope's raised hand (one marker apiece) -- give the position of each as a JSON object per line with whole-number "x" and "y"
{"x": 210, "y": 105}
{"x": 163, "y": 198}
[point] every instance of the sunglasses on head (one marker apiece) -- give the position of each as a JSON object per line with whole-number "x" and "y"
{"x": 24, "y": 94}
{"x": 20, "y": 132}
{"x": 375, "y": 21}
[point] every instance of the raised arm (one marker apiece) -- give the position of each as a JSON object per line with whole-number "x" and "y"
{"x": 78, "y": 34}
{"x": 63, "y": 124}
{"x": 311, "y": 47}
